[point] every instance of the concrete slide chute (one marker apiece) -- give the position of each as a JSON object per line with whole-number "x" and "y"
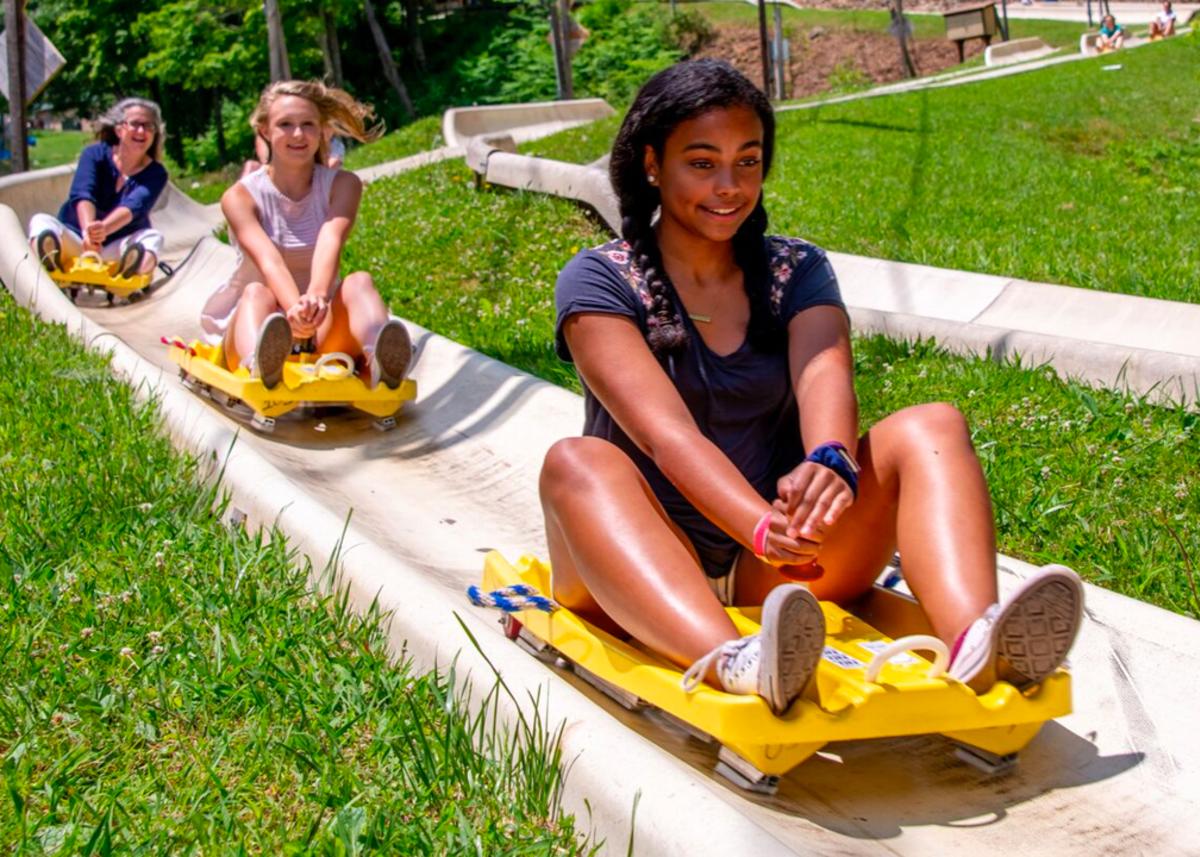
{"x": 458, "y": 476}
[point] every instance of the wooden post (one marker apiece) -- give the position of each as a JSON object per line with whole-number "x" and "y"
{"x": 14, "y": 35}
{"x": 762, "y": 45}
{"x": 276, "y": 45}
{"x": 778, "y": 59}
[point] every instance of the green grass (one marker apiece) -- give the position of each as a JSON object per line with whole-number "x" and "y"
{"x": 419, "y": 136}
{"x": 1056, "y": 33}
{"x": 53, "y": 148}
{"x": 1094, "y": 479}
{"x": 1068, "y": 174}
{"x": 171, "y": 685}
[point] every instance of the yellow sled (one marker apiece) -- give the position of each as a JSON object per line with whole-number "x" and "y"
{"x": 864, "y": 688}
{"x": 308, "y": 379}
{"x": 89, "y": 270}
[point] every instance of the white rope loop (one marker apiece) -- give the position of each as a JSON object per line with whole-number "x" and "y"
{"x": 912, "y": 643}
{"x": 332, "y": 366}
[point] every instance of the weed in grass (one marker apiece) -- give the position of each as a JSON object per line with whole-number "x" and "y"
{"x": 168, "y": 684}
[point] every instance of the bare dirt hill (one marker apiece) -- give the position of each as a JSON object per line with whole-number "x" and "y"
{"x": 827, "y": 59}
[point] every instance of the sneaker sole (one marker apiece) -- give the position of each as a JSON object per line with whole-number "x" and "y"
{"x": 1035, "y": 632}
{"x": 131, "y": 261}
{"x": 274, "y": 346}
{"x": 393, "y": 353}
{"x": 49, "y": 251}
{"x": 794, "y": 631}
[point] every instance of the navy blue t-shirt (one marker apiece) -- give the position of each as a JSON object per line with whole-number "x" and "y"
{"x": 96, "y": 180}
{"x": 742, "y": 401}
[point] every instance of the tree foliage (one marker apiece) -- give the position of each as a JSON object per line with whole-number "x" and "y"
{"x": 205, "y": 61}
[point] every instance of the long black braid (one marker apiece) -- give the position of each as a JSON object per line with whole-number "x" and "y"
{"x": 681, "y": 92}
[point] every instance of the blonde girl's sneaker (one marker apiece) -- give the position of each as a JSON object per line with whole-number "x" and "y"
{"x": 1025, "y": 637}
{"x": 390, "y": 355}
{"x": 271, "y": 350}
{"x": 778, "y": 662}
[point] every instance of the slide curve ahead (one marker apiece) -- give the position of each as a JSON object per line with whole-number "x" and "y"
{"x": 458, "y": 476}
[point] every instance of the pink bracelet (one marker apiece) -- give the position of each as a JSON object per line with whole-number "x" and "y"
{"x": 760, "y": 534}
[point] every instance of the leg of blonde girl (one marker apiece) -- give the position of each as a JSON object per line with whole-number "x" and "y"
{"x": 241, "y": 337}
{"x": 359, "y": 325}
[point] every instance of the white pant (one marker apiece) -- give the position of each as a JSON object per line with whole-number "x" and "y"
{"x": 72, "y": 242}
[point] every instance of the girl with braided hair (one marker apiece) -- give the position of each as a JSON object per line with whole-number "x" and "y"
{"x": 721, "y": 456}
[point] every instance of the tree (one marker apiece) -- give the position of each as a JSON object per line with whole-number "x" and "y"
{"x": 207, "y": 51}
{"x": 902, "y": 29}
{"x": 276, "y": 42}
{"x": 330, "y": 50}
{"x": 412, "y": 31}
{"x": 386, "y": 59}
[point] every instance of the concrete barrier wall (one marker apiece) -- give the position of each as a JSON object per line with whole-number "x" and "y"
{"x": 525, "y": 121}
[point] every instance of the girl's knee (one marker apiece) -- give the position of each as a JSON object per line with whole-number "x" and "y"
{"x": 358, "y": 285}
{"x": 257, "y": 294}
{"x": 933, "y": 419}
{"x": 571, "y": 463}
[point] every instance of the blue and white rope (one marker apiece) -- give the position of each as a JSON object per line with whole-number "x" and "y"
{"x": 512, "y": 599}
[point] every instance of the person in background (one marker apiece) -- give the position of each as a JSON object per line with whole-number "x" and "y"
{"x": 1112, "y": 35}
{"x": 116, "y": 184}
{"x": 1163, "y": 24}
{"x": 289, "y": 220}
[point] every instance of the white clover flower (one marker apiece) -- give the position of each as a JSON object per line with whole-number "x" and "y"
{"x": 126, "y": 652}
{"x": 87, "y": 632}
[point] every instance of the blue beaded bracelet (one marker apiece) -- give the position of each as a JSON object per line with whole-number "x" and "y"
{"x": 837, "y": 458}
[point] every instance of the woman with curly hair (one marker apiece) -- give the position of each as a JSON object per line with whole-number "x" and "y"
{"x": 721, "y": 457}
{"x": 289, "y": 220}
{"x": 116, "y": 183}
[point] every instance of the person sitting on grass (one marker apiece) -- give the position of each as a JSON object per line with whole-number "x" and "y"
{"x": 1163, "y": 24}
{"x": 289, "y": 220}
{"x": 1111, "y": 37}
{"x": 721, "y": 455}
{"x": 116, "y": 183}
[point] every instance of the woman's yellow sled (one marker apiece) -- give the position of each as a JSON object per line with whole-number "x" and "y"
{"x": 308, "y": 379}
{"x": 89, "y": 271}
{"x": 865, "y": 687}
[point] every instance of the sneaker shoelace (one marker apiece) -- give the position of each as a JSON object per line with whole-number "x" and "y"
{"x": 730, "y": 667}
{"x": 972, "y": 650}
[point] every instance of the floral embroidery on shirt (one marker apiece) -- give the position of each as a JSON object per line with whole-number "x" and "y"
{"x": 621, "y": 254}
{"x": 785, "y": 255}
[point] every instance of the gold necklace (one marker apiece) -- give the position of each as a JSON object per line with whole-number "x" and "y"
{"x": 703, "y": 319}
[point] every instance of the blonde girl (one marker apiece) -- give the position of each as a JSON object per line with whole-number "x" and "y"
{"x": 289, "y": 221}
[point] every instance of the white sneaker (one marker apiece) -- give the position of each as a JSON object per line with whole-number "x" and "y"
{"x": 777, "y": 662}
{"x": 390, "y": 355}
{"x": 1025, "y": 638}
{"x": 272, "y": 349}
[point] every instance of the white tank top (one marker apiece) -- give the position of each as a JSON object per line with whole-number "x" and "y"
{"x": 292, "y": 225}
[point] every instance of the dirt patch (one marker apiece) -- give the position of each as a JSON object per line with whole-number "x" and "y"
{"x": 824, "y": 59}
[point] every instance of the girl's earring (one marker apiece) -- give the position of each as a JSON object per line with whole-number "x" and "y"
{"x": 653, "y": 179}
